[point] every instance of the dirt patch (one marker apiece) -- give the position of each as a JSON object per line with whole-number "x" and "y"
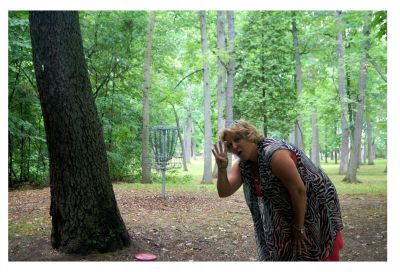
{"x": 187, "y": 226}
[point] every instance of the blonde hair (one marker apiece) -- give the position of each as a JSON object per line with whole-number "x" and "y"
{"x": 243, "y": 130}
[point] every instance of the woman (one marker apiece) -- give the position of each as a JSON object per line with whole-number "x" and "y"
{"x": 294, "y": 205}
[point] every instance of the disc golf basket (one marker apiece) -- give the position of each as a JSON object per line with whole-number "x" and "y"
{"x": 163, "y": 140}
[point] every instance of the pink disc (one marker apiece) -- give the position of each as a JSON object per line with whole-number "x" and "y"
{"x": 145, "y": 257}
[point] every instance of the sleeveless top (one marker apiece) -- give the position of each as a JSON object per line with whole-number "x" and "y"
{"x": 273, "y": 215}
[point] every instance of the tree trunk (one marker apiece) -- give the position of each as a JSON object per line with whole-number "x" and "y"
{"x": 194, "y": 143}
{"x": 351, "y": 175}
{"x": 207, "y": 171}
{"x": 146, "y": 167}
{"x": 22, "y": 149}
{"x": 364, "y": 153}
{"x": 230, "y": 82}
{"x": 221, "y": 94}
{"x": 84, "y": 211}
{"x": 188, "y": 138}
{"x": 297, "y": 135}
{"x": 314, "y": 138}
{"x": 189, "y": 127}
{"x": 231, "y": 68}
{"x": 180, "y": 137}
{"x": 370, "y": 136}
{"x": 336, "y": 157}
{"x": 344, "y": 146}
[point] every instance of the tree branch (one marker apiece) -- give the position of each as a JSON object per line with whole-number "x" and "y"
{"x": 377, "y": 68}
{"x": 187, "y": 77}
{"x": 106, "y": 79}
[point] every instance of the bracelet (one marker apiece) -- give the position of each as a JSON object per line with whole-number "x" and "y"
{"x": 301, "y": 230}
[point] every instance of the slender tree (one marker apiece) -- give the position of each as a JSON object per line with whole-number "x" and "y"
{"x": 221, "y": 82}
{"x": 207, "y": 171}
{"x": 315, "y": 149}
{"x": 297, "y": 133}
{"x": 146, "y": 168}
{"x": 231, "y": 68}
{"x": 370, "y": 146}
{"x": 344, "y": 148}
{"x": 84, "y": 211}
{"x": 351, "y": 175}
{"x": 188, "y": 133}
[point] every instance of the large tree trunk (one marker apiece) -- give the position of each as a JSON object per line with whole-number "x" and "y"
{"x": 351, "y": 175}
{"x": 297, "y": 135}
{"x": 85, "y": 215}
{"x": 344, "y": 146}
{"x": 146, "y": 167}
{"x": 207, "y": 171}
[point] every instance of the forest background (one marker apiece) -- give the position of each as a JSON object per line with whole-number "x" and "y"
{"x": 317, "y": 79}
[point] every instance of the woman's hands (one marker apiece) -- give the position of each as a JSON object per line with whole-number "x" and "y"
{"x": 221, "y": 154}
{"x": 301, "y": 241}
{"x": 226, "y": 184}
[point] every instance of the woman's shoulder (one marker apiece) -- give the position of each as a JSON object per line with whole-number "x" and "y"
{"x": 269, "y": 141}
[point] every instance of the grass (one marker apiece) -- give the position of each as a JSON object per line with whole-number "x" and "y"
{"x": 373, "y": 179}
{"x": 176, "y": 180}
{"x": 28, "y": 227}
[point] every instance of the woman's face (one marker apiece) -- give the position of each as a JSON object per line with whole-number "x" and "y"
{"x": 241, "y": 147}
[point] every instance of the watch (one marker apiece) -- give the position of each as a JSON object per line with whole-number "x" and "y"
{"x": 300, "y": 230}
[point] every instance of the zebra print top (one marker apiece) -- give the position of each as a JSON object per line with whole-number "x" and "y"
{"x": 272, "y": 213}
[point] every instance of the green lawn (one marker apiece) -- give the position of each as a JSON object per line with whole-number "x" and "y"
{"x": 373, "y": 179}
{"x": 176, "y": 180}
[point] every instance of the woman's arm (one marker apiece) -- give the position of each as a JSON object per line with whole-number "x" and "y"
{"x": 285, "y": 169}
{"x": 226, "y": 184}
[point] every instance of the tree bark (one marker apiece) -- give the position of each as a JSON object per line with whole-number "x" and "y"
{"x": 221, "y": 83}
{"x": 146, "y": 167}
{"x": 314, "y": 138}
{"x": 84, "y": 211}
{"x": 207, "y": 171}
{"x": 230, "y": 82}
{"x": 221, "y": 94}
{"x": 231, "y": 68}
{"x": 297, "y": 135}
{"x": 188, "y": 138}
{"x": 180, "y": 137}
{"x": 370, "y": 136}
{"x": 351, "y": 175}
{"x": 344, "y": 125}
{"x": 189, "y": 127}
